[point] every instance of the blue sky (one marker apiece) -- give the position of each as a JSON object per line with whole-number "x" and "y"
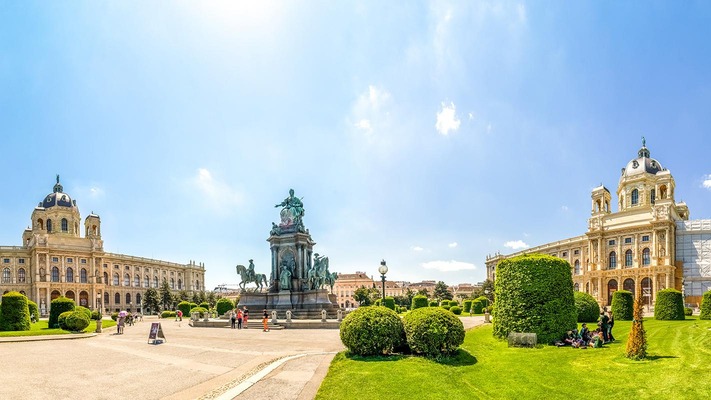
{"x": 427, "y": 134}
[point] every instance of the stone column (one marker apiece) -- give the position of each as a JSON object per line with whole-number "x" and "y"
{"x": 668, "y": 281}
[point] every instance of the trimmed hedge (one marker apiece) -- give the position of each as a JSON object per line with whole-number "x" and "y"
{"x": 205, "y": 305}
{"x": 76, "y": 321}
{"x": 534, "y": 293}
{"x": 447, "y": 307}
{"x": 85, "y": 310}
{"x": 706, "y": 306}
{"x": 59, "y": 305}
{"x": 185, "y": 307}
{"x": 433, "y": 332}
{"x": 688, "y": 311}
{"x": 434, "y": 303}
{"x": 456, "y": 310}
{"x": 467, "y": 305}
{"x": 389, "y": 302}
{"x": 14, "y": 313}
{"x": 201, "y": 311}
{"x": 33, "y": 309}
{"x": 372, "y": 331}
{"x": 588, "y": 309}
{"x": 622, "y": 305}
{"x": 96, "y": 315}
{"x": 222, "y": 306}
{"x": 669, "y": 305}
{"x": 419, "y": 301}
{"x": 62, "y": 320}
{"x": 167, "y": 314}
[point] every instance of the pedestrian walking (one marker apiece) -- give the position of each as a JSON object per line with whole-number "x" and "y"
{"x": 179, "y": 316}
{"x": 265, "y": 318}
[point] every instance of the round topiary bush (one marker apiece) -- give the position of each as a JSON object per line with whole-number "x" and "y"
{"x": 96, "y": 315}
{"x": 534, "y": 293}
{"x": 114, "y": 316}
{"x": 669, "y": 305}
{"x": 85, "y": 310}
{"x": 34, "y": 310}
{"x": 167, "y": 314}
{"x": 588, "y": 309}
{"x": 205, "y": 305}
{"x": 14, "y": 313}
{"x": 419, "y": 301}
{"x": 688, "y": 311}
{"x": 477, "y": 307}
{"x": 62, "y": 320}
{"x": 456, "y": 310}
{"x": 389, "y": 302}
{"x": 706, "y": 306}
{"x": 222, "y": 306}
{"x": 447, "y": 307}
{"x": 372, "y": 331}
{"x": 622, "y": 305}
{"x": 434, "y": 303}
{"x": 467, "y": 306}
{"x": 59, "y": 305}
{"x": 76, "y": 321}
{"x": 433, "y": 331}
{"x": 201, "y": 311}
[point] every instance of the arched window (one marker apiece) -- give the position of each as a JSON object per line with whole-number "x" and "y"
{"x": 576, "y": 287}
{"x": 106, "y": 278}
{"x": 628, "y": 285}
{"x": 65, "y": 225}
{"x": 43, "y": 275}
{"x": 197, "y": 285}
{"x": 146, "y": 281}
{"x": 40, "y": 224}
{"x": 651, "y": 197}
{"x": 116, "y": 279}
{"x": 611, "y": 289}
{"x": 645, "y": 256}
{"x": 21, "y": 275}
{"x": 128, "y": 298}
{"x": 127, "y": 280}
{"x": 55, "y": 274}
{"x": 628, "y": 258}
{"x": 180, "y": 284}
{"x": 635, "y": 197}
{"x": 6, "y": 276}
{"x": 106, "y": 299}
{"x": 117, "y": 298}
{"x": 663, "y": 192}
{"x": 83, "y": 276}
{"x": 613, "y": 260}
{"x": 138, "y": 299}
{"x": 70, "y": 275}
{"x": 172, "y": 283}
{"x": 49, "y": 225}
{"x": 577, "y": 267}
{"x": 137, "y": 281}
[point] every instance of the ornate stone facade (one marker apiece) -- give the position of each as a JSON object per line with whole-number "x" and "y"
{"x": 632, "y": 249}
{"x": 55, "y": 260}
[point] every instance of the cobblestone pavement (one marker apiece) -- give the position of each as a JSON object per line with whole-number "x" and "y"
{"x": 193, "y": 363}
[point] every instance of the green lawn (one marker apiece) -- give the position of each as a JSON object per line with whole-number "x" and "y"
{"x": 40, "y": 328}
{"x": 678, "y": 367}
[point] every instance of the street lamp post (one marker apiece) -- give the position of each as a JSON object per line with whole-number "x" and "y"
{"x": 98, "y": 309}
{"x": 486, "y": 308}
{"x": 383, "y": 269}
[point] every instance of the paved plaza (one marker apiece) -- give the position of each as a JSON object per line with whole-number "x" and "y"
{"x": 193, "y": 363}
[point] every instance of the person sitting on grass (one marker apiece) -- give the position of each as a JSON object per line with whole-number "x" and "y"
{"x": 583, "y": 336}
{"x": 598, "y": 339}
{"x": 568, "y": 339}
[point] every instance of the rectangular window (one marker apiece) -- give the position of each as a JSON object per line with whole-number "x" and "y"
{"x": 106, "y": 265}
{"x": 21, "y": 260}
{"x": 611, "y": 243}
{"x": 6, "y": 260}
{"x": 83, "y": 261}
{"x": 565, "y": 254}
{"x": 645, "y": 238}
{"x": 70, "y": 260}
{"x": 116, "y": 266}
{"x": 628, "y": 240}
{"x": 576, "y": 252}
{"x": 55, "y": 259}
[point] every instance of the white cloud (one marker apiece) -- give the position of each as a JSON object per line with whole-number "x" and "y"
{"x": 447, "y": 119}
{"x": 453, "y": 245}
{"x": 370, "y": 112}
{"x": 447, "y": 266}
{"x": 96, "y": 192}
{"x": 516, "y": 244}
{"x": 214, "y": 192}
{"x": 471, "y": 116}
{"x": 364, "y": 125}
{"x": 564, "y": 208}
{"x": 707, "y": 182}
{"x": 416, "y": 248}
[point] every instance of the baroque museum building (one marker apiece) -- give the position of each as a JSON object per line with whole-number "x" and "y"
{"x": 648, "y": 245}
{"x": 54, "y": 260}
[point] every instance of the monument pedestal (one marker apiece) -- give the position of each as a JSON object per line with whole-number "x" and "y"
{"x": 303, "y": 305}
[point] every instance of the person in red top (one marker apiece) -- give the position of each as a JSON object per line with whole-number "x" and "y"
{"x": 179, "y": 316}
{"x": 245, "y": 315}
{"x": 240, "y": 316}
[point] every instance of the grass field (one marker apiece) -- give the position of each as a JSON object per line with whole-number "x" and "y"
{"x": 678, "y": 367}
{"x": 40, "y": 328}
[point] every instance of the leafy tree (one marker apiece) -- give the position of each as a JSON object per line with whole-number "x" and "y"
{"x": 166, "y": 295}
{"x": 423, "y": 292}
{"x": 151, "y": 300}
{"x": 211, "y": 298}
{"x": 183, "y": 295}
{"x": 409, "y": 294}
{"x": 402, "y": 300}
{"x": 366, "y": 296}
{"x": 195, "y": 298}
{"x": 442, "y": 292}
{"x": 482, "y": 291}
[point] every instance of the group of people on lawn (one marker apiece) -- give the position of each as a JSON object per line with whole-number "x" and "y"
{"x": 585, "y": 338}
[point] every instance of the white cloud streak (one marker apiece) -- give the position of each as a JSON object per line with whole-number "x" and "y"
{"x": 214, "y": 192}
{"x": 453, "y": 245}
{"x": 448, "y": 266}
{"x": 416, "y": 248}
{"x": 516, "y": 244}
{"x": 707, "y": 182}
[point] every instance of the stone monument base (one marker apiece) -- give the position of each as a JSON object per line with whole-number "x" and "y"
{"x": 303, "y": 305}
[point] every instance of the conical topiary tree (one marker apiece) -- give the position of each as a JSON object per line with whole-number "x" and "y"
{"x": 706, "y": 306}
{"x": 637, "y": 340}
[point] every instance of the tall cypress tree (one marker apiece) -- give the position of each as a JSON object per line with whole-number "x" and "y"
{"x": 637, "y": 340}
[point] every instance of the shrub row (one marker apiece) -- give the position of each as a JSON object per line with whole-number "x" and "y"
{"x": 377, "y": 330}
{"x": 14, "y": 312}
{"x": 706, "y": 306}
{"x": 669, "y": 305}
{"x": 587, "y": 307}
{"x": 622, "y": 305}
